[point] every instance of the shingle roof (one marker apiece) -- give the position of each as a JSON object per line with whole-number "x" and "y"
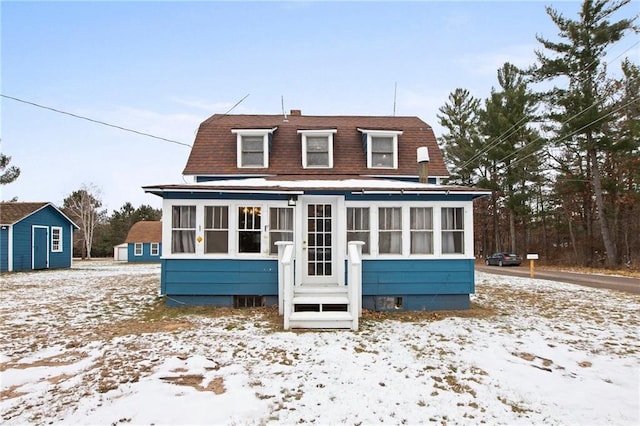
{"x": 214, "y": 150}
{"x": 11, "y": 213}
{"x": 146, "y": 231}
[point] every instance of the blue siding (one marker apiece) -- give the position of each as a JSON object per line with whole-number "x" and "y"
{"x": 146, "y": 253}
{"x": 225, "y": 277}
{"x": 410, "y": 277}
{"x": 22, "y": 239}
{"x": 4, "y": 249}
{"x": 433, "y": 284}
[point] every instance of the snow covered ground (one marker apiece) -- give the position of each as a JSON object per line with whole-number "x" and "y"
{"x": 94, "y": 345}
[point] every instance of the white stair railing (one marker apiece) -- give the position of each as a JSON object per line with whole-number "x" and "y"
{"x": 354, "y": 281}
{"x": 285, "y": 280}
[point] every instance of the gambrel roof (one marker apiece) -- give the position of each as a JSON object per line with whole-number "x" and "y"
{"x": 14, "y": 212}
{"x": 214, "y": 151}
{"x": 145, "y": 231}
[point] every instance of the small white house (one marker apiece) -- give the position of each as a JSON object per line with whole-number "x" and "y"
{"x": 120, "y": 252}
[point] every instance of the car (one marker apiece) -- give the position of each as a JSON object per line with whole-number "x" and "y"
{"x": 504, "y": 259}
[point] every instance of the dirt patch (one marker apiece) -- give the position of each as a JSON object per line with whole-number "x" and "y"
{"x": 195, "y": 381}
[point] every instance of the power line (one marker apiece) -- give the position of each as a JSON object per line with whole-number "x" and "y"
{"x": 517, "y": 126}
{"x": 98, "y": 121}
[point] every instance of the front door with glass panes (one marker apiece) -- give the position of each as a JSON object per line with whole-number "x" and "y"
{"x": 319, "y": 257}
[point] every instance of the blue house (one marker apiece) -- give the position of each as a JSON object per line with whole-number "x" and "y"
{"x": 144, "y": 241}
{"x": 34, "y": 236}
{"x": 321, "y": 215}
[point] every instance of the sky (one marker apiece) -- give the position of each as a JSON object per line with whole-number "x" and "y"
{"x": 162, "y": 68}
{"x": 544, "y": 353}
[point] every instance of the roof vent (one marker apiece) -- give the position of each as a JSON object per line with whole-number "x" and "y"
{"x": 296, "y": 112}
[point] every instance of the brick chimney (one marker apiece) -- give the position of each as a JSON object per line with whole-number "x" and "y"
{"x": 296, "y": 113}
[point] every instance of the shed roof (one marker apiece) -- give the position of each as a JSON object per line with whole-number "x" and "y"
{"x": 14, "y": 212}
{"x": 214, "y": 151}
{"x": 145, "y": 231}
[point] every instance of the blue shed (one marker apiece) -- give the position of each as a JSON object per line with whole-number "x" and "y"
{"x": 144, "y": 241}
{"x": 34, "y": 236}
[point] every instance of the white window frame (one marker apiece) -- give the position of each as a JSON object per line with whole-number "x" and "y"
{"x": 265, "y": 145}
{"x": 216, "y": 227}
{"x": 138, "y": 249}
{"x": 280, "y": 229}
{"x": 58, "y": 240}
{"x": 328, "y": 133}
{"x": 154, "y": 249}
{"x": 370, "y": 134}
{"x": 169, "y": 233}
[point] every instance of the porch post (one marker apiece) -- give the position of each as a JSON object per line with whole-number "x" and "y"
{"x": 282, "y": 245}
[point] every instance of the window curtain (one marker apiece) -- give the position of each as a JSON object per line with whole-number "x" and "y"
{"x": 390, "y": 226}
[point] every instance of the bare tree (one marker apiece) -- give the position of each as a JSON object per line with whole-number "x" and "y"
{"x": 83, "y": 207}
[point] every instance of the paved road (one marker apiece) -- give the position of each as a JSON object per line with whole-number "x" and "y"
{"x": 631, "y": 285}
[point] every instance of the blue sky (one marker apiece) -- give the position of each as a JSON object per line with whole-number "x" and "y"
{"x": 164, "y": 67}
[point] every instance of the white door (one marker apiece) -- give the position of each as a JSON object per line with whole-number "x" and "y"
{"x": 319, "y": 255}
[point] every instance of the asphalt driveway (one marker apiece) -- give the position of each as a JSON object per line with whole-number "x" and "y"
{"x": 628, "y": 284}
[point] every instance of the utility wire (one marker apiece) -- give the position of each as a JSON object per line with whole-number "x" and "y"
{"x": 515, "y": 127}
{"x": 96, "y": 121}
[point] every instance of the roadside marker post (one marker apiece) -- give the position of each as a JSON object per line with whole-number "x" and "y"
{"x": 532, "y": 259}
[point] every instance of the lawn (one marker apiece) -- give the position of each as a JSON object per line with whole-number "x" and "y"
{"x": 96, "y": 345}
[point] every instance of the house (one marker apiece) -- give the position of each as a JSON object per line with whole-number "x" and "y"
{"x": 144, "y": 241}
{"x": 321, "y": 215}
{"x": 34, "y": 236}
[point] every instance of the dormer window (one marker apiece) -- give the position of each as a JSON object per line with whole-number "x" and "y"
{"x": 253, "y": 147}
{"x": 381, "y": 147}
{"x": 317, "y": 148}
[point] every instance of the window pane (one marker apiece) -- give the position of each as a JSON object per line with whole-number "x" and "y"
{"x": 183, "y": 241}
{"x": 183, "y": 234}
{"x": 358, "y": 226}
{"x": 421, "y": 242}
{"x": 390, "y": 242}
{"x": 453, "y": 242}
{"x": 252, "y": 159}
{"x": 252, "y": 143}
{"x": 453, "y": 218}
{"x": 317, "y": 144}
{"x": 281, "y": 226}
{"x": 216, "y": 241}
{"x": 382, "y": 145}
{"x": 249, "y": 229}
{"x": 317, "y": 159}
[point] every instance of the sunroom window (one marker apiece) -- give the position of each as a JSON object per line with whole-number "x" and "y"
{"x": 249, "y": 229}
{"x": 381, "y": 147}
{"x": 317, "y": 148}
{"x": 253, "y": 147}
{"x": 280, "y": 226}
{"x": 390, "y": 230}
{"x": 216, "y": 229}
{"x": 452, "y": 230}
{"x": 358, "y": 228}
{"x": 183, "y": 229}
{"x": 421, "y": 230}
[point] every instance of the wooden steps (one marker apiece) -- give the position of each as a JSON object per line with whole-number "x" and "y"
{"x": 324, "y": 306}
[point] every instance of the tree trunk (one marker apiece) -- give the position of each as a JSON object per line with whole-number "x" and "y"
{"x": 496, "y": 235}
{"x": 602, "y": 217}
{"x": 512, "y": 230}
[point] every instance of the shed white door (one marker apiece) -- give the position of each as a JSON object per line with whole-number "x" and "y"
{"x": 122, "y": 253}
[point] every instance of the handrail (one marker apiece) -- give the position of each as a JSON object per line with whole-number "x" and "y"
{"x": 285, "y": 279}
{"x": 354, "y": 279}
